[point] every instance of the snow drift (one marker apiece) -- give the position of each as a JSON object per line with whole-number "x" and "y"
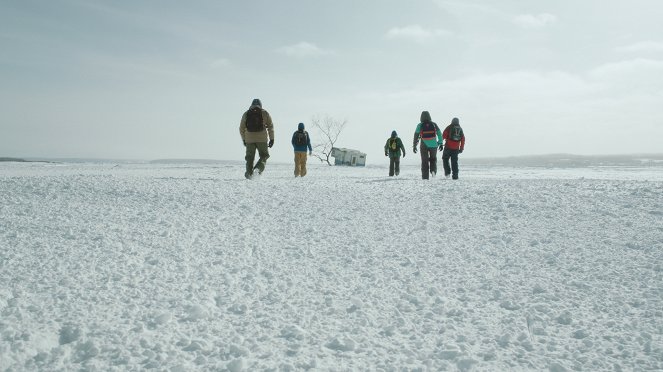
{"x": 179, "y": 267}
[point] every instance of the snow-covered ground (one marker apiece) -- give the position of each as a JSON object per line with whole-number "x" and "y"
{"x": 192, "y": 267}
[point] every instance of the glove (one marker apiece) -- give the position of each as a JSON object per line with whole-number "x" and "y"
{"x": 244, "y": 142}
{"x": 310, "y": 153}
{"x": 385, "y": 154}
{"x": 440, "y": 147}
{"x": 414, "y": 149}
{"x": 460, "y": 151}
{"x": 271, "y": 143}
{"x": 403, "y": 153}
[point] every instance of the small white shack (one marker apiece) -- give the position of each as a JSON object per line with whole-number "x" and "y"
{"x": 349, "y": 157}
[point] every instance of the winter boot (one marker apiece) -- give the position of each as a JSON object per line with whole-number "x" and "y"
{"x": 258, "y": 167}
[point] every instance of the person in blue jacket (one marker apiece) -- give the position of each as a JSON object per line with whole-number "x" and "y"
{"x": 301, "y": 142}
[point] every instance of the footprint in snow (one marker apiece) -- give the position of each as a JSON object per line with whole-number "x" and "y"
{"x": 341, "y": 344}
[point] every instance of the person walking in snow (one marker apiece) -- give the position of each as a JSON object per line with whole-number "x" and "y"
{"x": 393, "y": 149}
{"x": 454, "y": 145}
{"x": 257, "y": 132}
{"x": 300, "y": 143}
{"x": 431, "y": 139}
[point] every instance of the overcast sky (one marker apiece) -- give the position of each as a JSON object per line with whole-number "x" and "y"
{"x": 171, "y": 79}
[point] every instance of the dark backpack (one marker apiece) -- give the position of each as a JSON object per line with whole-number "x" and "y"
{"x": 254, "y": 122}
{"x": 428, "y": 130}
{"x": 455, "y": 132}
{"x": 301, "y": 138}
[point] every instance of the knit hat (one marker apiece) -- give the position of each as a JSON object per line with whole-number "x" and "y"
{"x": 300, "y": 126}
{"x": 256, "y": 102}
{"x": 425, "y": 117}
{"x": 393, "y": 134}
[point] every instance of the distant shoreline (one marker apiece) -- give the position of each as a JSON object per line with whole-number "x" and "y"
{"x": 19, "y": 160}
{"x": 547, "y": 161}
{"x": 570, "y": 160}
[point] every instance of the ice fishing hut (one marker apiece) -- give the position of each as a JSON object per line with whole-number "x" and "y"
{"x": 349, "y": 157}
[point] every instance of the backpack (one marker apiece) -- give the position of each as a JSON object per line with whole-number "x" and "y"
{"x": 428, "y": 130}
{"x": 455, "y": 132}
{"x": 254, "y": 121}
{"x": 301, "y": 138}
{"x": 393, "y": 144}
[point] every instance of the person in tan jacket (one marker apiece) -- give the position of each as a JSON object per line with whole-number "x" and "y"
{"x": 257, "y": 131}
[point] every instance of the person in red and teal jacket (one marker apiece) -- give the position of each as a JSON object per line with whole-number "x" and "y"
{"x": 431, "y": 140}
{"x": 454, "y": 145}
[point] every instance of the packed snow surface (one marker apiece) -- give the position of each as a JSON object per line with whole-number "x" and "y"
{"x": 193, "y": 267}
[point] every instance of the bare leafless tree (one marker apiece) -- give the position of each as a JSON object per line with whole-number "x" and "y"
{"x": 327, "y": 131}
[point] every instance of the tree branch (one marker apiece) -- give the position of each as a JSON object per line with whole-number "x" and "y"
{"x": 329, "y": 129}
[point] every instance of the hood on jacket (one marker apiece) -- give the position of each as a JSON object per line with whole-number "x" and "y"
{"x": 256, "y": 102}
{"x": 393, "y": 134}
{"x": 300, "y": 127}
{"x": 425, "y": 117}
{"x": 455, "y": 121}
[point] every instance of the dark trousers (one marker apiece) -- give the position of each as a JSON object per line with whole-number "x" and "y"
{"x": 263, "y": 152}
{"x": 428, "y": 160}
{"x": 449, "y": 154}
{"x": 394, "y": 165}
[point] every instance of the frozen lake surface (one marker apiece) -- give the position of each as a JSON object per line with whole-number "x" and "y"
{"x": 192, "y": 267}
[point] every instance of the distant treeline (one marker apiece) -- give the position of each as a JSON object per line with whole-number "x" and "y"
{"x": 13, "y": 159}
{"x": 571, "y": 161}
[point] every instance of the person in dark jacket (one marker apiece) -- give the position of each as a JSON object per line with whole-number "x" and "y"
{"x": 300, "y": 143}
{"x": 431, "y": 139}
{"x": 256, "y": 128}
{"x": 454, "y": 145}
{"x": 393, "y": 149}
